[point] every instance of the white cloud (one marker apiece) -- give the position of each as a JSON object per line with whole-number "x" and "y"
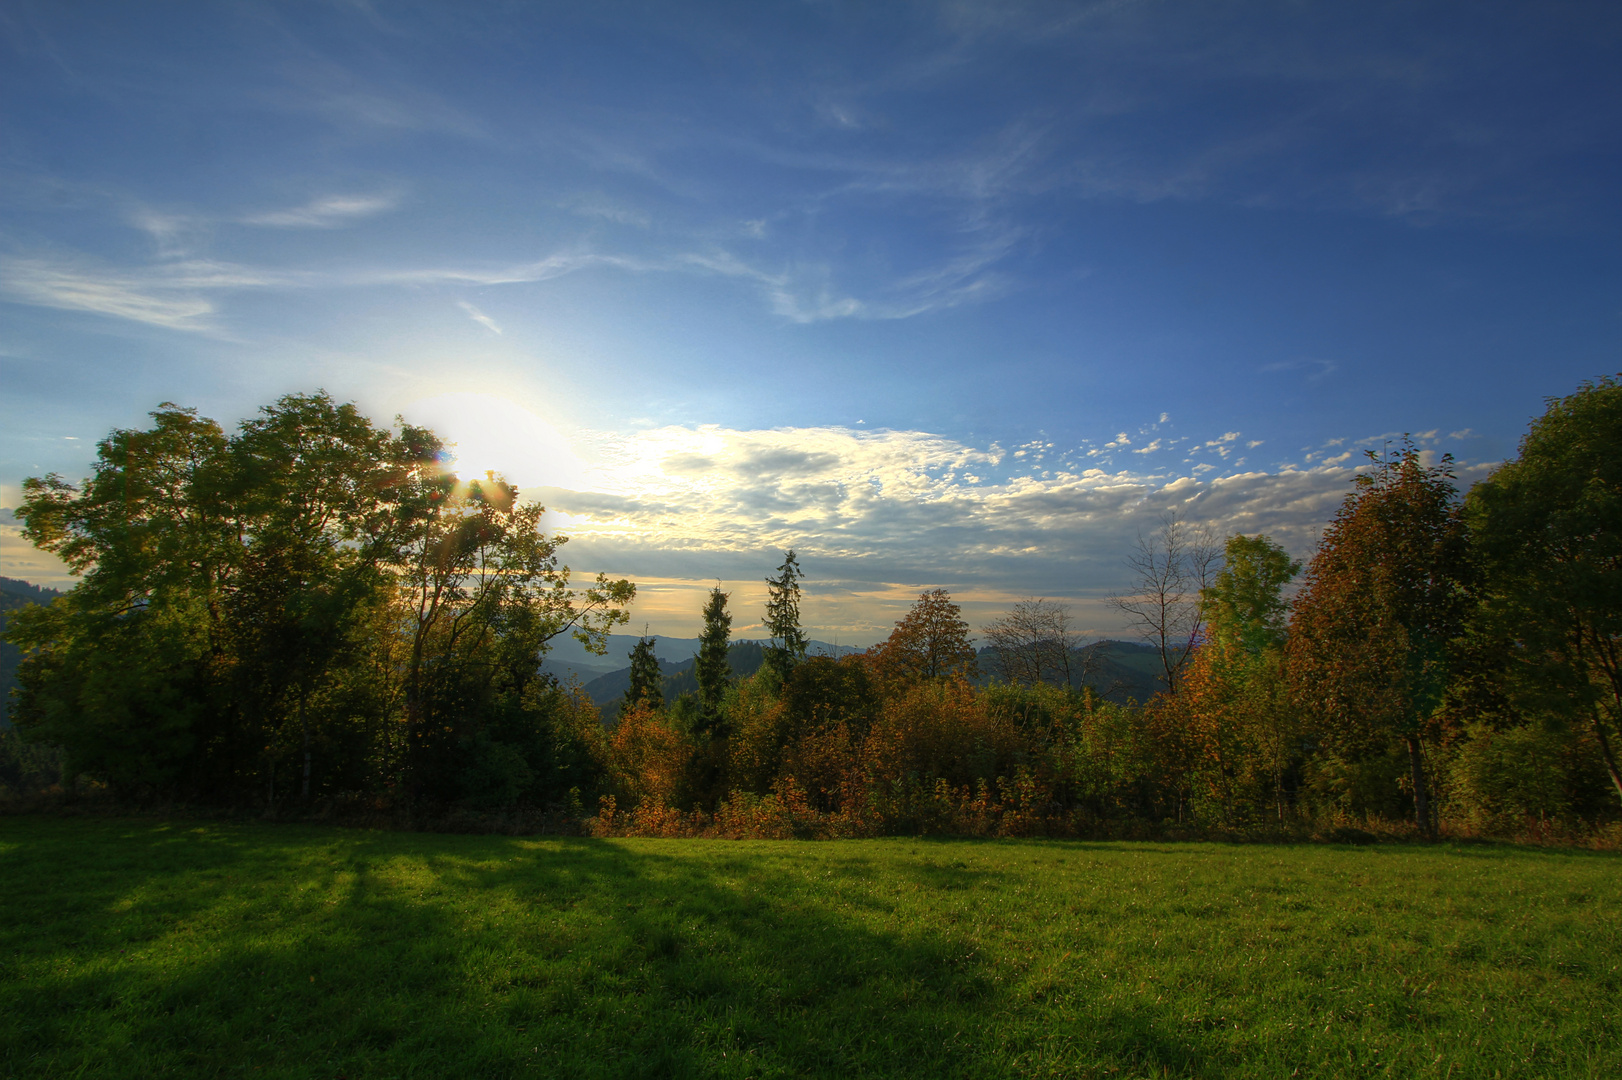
{"x": 170, "y": 294}
{"x": 479, "y": 317}
{"x": 902, "y": 506}
{"x": 327, "y": 212}
{"x": 67, "y": 288}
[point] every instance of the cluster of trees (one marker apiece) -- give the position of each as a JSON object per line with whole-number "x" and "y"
{"x": 1443, "y": 656}
{"x": 314, "y": 606}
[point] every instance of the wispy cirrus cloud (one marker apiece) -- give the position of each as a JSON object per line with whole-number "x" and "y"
{"x": 80, "y": 288}
{"x": 479, "y": 317}
{"x": 174, "y": 294}
{"x": 326, "y": 212}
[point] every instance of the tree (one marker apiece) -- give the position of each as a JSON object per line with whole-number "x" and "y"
{"x": 1170, "y": 568}
{"x": 1547, "y": 533}
{"x": 482, "y": 594}
{"x": 1233, "y": 702}
{"x": 789, "y": 643}
{"x": 1034, "y": 643}
{"x": 1244, "y": 605}
{"x": 647, "y": 679}
{"x": 313, "y": 587}
{"x": 1383, "y": 598}
{"x": 710, "y": 667}
{"x": 930, "y": 642}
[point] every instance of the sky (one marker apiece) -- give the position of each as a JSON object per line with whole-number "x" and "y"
{"x": 937, "y": 294}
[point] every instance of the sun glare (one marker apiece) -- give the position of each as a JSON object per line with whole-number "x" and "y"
{"x": 487, "y": 433}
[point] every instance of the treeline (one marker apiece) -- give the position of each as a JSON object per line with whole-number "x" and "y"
{"x": 248, "y": 629}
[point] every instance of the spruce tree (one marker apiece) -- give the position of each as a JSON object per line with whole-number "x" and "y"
{"x": 783, "y": 618}
{"x": 647, "y": 680}
{"x": 711, "y": 668}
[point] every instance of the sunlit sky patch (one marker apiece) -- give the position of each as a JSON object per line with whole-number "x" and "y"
{"x": 937, "y": 293}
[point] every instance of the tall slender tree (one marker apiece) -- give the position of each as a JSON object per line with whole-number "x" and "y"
{"x": 1382, "y": 599}
{"x": 710, "y": 667}
{"x": 789, "y": 642}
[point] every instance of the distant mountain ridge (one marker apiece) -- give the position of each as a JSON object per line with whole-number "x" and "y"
{"x": 1118, "y": 671}
{"x": 743, "y": 657}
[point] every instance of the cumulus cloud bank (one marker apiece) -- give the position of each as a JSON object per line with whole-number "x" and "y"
{"x": 874, "y": 513}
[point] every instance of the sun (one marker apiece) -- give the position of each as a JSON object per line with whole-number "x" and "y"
{"x": 487, "y": 433}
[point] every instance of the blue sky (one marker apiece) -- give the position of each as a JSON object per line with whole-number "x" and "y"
{"x": 939, "y": 294}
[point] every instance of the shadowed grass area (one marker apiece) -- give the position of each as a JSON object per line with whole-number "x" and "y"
{"x": 135, "y": 948}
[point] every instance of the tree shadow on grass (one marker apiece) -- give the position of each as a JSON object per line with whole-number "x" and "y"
{"x": 311, "y": 952}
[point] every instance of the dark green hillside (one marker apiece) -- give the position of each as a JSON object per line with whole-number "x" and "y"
{"x": 743, "y": 657}
{"x": 1118, "y": 671}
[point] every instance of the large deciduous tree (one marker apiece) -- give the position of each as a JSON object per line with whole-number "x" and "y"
{"x": 1383, "y": 598}
{"x": 930, "y": 642}
{"x": 1547, "y": 531}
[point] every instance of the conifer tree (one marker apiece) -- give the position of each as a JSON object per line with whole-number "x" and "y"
{"x": 647, "y": 680}
{"x": 710, "y": 668}
{"x": 783, "y": 618}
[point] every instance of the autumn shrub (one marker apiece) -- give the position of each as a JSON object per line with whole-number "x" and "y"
{"x": 648, "y": 757}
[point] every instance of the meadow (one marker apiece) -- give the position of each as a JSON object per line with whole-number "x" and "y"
{"x": 146, "y": 947}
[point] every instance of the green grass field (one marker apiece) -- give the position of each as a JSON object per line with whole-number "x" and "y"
{"x": 138, "y": 948}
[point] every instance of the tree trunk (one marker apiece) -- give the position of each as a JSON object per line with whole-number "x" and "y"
{"x": 1422, "y": 801}
{"x": 1606, "y": 752}
{"x": 304, "y": 735}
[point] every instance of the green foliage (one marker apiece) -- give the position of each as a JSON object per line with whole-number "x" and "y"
{"x": 783, "y": 618}
{"x": 1383, "y": 598}
{"x": 824, "y": 691}
{"x": 647, "y": 680}
{"x": 1245, "y": 605}
{"x": 135, "y": 948}
{"x": 1502, "y": 778}
{"x": 1547, "y": 536}
{"x": 312, "y": 605}
{"x": 27, "y": 768}
{"x": 711, "y": 667}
